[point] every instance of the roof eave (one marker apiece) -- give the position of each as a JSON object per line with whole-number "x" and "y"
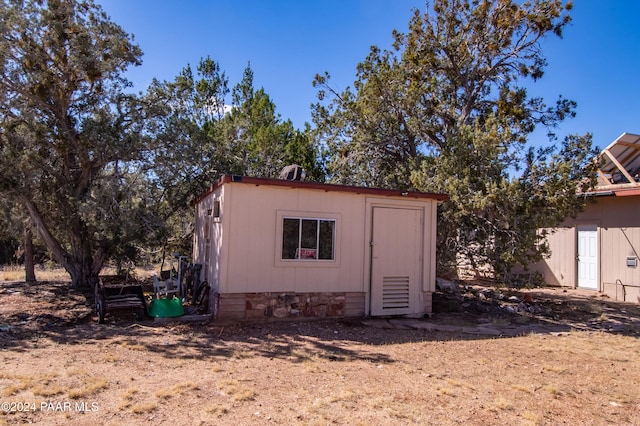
{"x": 327, "y": 187}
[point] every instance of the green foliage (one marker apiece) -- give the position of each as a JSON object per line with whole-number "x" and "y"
{"x": 257, "y": 141}
{"x": 70, "y": 138}
{"x": 492, "y": 217}
{"x": 197, "y": 136}
{"x": 446, "y": 111}
{"x": 246, "y": 137}
{"x": 11, "y": 220}
{"x": 103, "y": 173}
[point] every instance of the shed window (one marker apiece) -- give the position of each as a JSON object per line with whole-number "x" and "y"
{"x": 308, "y": 239}
{"x": 216, "y": 208}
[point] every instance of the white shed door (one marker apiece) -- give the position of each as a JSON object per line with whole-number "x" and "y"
{"x": 396, "y": 256}
{"x": 588, "y": 256}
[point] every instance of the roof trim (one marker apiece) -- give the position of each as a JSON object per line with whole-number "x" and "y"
{"x": 613, "y": 191}
{"x": 627, "y": 192}
{"x": 327, "y": 187}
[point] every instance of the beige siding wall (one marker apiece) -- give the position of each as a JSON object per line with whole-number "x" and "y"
{"x": 620, "y": 238}
{"x": 430, "y": 237}
{"x": 251, "y": 215}
{"x": 199, "y": 236}
{"x": 618, "y": 221}
{"x": 560, "y": 268}
{"x": 208, "y": 241}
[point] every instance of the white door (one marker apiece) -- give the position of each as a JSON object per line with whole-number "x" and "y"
{"x": 588, "y": 256}
{"x": 396, "y": 259}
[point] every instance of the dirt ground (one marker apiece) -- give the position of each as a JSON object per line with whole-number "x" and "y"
{"x": 553, "y": 357}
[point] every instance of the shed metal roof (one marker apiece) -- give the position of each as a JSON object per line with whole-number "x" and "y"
{"x": 233, "y": 179}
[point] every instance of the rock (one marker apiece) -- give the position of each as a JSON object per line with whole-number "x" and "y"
{"x": 514, "y": 299}
{"x": 281, "y": 312}
{"x": 512, "y": 309}
{"x": 535, "y": 309}
{"x": 487, "y": 292}
{"x": 483, "y": 308}
{"x": 446, "y": 286}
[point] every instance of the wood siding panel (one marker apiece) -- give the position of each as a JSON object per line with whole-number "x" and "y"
{"x": 560, "y": 268}
{"x": 252, "y": 220}
{"x": 251, "y": 225}
{"x": 620, "y": 235}
{"x": 212, "y": 263}
{"x": 430, "y": 236}
{"x": 198, "y": 254}
{"x": 615, "y": 254}
{"x": 618, "y": 225}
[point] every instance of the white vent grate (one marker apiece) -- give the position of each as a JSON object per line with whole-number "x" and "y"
{"x": 395, "y": 292}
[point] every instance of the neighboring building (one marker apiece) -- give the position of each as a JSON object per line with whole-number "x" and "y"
{"x": 599, "y": 250}
{"x": 281, "y": 249}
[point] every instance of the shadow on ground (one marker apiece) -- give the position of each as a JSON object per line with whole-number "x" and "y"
{"x": 53, "y": 313}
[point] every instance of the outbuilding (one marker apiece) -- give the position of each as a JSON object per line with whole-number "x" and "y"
{"x": 273, "y": 248}
{"x": 600, "y": 248}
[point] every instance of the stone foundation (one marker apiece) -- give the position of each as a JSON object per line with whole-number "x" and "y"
{"x": 288, "y": 305}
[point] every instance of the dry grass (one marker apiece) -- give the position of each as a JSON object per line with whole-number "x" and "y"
{"x": 502, "y": 404}
{"x": 76, "y": 385}
{"x": 238, "y": 392}
{"x": 218, "y": 410}
{"x": 89, "y": 387}
{"x": 46, "y": 390}
{"x": 16, "y": 273}
{"x": 144, "y": 408}
{"x": 433, "y": 382}
{"x": 315, "y": 373}
{"x": 176, "y": 390}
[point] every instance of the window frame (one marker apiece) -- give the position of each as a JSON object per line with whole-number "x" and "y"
{"x": 313, "y": 216}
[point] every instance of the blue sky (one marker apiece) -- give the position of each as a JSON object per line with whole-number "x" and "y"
{"x": 597, "y": 63}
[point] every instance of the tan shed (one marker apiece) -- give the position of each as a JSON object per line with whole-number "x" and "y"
{"x": 289, "y": 249}
{"x": 599, "y": 250}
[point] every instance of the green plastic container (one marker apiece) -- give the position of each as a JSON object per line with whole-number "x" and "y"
{"x": 166, "y": 308}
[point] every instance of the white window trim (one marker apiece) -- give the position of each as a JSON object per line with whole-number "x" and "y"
{"x": 218, "y": 218}
{"x": 318, "y": 263}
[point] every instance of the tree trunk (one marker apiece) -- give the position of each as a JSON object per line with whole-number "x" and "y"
{"x": 81, "y": 266}
{"x": 83, "y": 277}
{"x": 30, "y": 275}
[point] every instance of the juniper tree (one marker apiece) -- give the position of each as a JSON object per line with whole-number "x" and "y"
{"x": 447, "y": 109}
